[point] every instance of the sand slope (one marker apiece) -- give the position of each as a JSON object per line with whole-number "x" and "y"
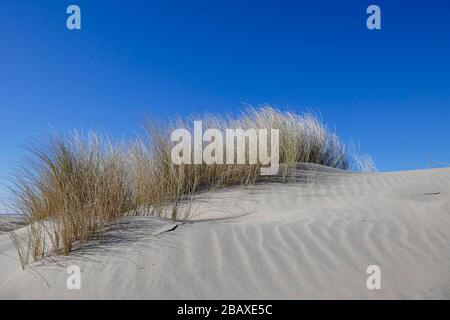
{"x": 271, "y": 241}
{"x": 10, "y": 222}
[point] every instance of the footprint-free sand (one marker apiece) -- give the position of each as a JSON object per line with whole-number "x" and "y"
{"x": 310, "y": 239}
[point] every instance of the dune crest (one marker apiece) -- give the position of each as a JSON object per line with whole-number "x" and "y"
{"x": 267, "y": 241}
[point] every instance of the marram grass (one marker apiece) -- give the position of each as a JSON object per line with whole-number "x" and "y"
{"x": 71, "y": 187}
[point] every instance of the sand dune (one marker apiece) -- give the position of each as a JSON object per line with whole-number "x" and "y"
{"x": 10, "y": 222}
{"x": 269, "y": 241}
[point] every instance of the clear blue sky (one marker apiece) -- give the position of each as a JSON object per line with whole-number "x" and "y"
{"x": 389, "y": 90}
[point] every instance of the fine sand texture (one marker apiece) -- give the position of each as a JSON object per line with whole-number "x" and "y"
{"x": 310, "y": 239}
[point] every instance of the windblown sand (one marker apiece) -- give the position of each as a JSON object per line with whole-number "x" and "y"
{"x": 305, "y": 240}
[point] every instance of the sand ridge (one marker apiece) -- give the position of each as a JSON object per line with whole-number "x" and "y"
{"x": 268, "y": 241}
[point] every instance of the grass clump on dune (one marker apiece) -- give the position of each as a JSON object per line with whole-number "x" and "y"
{"x": 71, "y": 187}
{"x": 156, "y": 180}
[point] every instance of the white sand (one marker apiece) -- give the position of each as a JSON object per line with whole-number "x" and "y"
{"x": 293, "y": 241}
{"x": 10, "y": 222}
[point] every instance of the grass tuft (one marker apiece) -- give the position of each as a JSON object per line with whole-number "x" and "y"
{"x": 72, "y": 187}
{"x": 68, "y": 189}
